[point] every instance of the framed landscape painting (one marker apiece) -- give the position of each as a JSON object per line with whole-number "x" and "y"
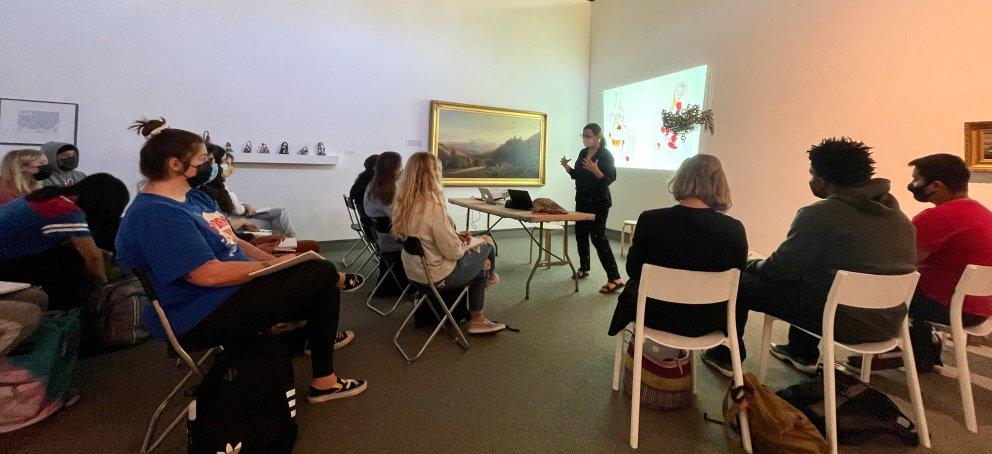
{"x": 978, "y": 145}
{"x": 488, "y": 146}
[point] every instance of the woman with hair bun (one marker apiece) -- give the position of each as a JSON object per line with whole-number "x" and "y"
{"x": 200, "y": 269}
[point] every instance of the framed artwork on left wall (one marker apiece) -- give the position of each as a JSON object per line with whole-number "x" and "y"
{"x": 31, "y": 122}
{"x": 488, "y": 146}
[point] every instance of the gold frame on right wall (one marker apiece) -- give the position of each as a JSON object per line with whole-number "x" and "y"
{"x": 978, "y": 145}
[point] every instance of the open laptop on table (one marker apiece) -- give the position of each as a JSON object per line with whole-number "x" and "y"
{"x": 519, "y": 200}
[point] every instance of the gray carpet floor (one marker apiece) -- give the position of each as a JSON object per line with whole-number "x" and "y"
{"x": 544, "y": 389}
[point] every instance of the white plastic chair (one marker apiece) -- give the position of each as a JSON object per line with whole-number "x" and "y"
{"x": 975, "y": 281}
{"x": 683, "y": 287}
{"x": 867, "y": 291}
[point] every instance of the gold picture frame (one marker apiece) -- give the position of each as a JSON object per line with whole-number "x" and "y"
{"x": 488, "y": 146}
{"x": 978, "y": 145}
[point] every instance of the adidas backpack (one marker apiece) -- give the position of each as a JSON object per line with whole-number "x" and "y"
{"x": 247, "y": 402}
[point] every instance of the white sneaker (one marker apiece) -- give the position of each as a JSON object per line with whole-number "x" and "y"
{"x": 485, "y": 327}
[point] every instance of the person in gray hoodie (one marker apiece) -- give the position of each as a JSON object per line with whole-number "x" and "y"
{"x": 856, "y": 227}
{"x": 63, "y": 159}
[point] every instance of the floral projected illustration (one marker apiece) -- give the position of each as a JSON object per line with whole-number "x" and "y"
{"x": 632, "y": 119}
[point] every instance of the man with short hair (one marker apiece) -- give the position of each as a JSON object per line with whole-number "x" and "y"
{"x": 955, "y": 233}
{"x": 856, "y": 227}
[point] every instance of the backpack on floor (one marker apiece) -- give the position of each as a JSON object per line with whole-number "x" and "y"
{"x": 425, "y": 318}
{"x": 863, "y": 412}
{"x": 114, "y": 314}
{"x": 246, "y": 403}
{"x": 36, "y": 383}
{"x": 774, "y": 425}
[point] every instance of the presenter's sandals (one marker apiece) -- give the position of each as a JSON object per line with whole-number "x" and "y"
{"x": 611, "y": 287}
{"x": 581, "y": 274}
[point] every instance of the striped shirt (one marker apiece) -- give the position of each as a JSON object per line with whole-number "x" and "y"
{"x": 30, "y": 228}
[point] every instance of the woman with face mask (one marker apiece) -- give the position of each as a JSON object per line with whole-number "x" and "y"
{"x": 201, "y": 271}
{"x": 21, "y": 172}
{"x": 593, "y": 175}
{"x": 275, "y": 219}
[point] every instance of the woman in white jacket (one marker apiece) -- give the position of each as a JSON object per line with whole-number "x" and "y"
{"x": 453, "y": 259}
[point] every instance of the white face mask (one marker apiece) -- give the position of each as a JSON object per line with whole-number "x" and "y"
{"x": 588, "y": 142}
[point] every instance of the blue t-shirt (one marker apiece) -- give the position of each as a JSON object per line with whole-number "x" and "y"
{"x": 168, "y": 239}
{"x": 29, "y": 228}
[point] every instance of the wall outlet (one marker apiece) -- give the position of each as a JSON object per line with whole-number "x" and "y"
{"x": 415, "y": 144}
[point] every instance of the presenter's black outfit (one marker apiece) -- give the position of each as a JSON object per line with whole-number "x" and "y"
{"x": 592, "y": 195}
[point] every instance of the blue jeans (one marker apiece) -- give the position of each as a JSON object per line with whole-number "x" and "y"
{"x": 276, "y": 219}
{"x": 470, "y": 269}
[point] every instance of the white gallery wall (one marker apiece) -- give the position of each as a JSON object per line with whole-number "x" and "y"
{"x": 355, "y": 74}
{"x": 902, "y": 76}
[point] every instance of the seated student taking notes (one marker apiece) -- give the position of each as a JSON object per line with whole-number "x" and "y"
{"x": 201, "y": 270}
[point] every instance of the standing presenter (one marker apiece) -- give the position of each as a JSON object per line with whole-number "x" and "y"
{"x": 593, "y": 175}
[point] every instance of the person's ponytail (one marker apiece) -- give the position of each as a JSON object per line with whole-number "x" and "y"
{"x": 161, "y": 143}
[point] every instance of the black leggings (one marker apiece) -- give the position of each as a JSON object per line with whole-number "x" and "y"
{"x": 597, "y": 228}
{"x": 307, "y": 291}
{"x": 59, "y": 271}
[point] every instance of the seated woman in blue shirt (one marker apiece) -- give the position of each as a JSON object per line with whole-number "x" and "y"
{"x": 53, "y": 237}
{"x": 200, "y": 269}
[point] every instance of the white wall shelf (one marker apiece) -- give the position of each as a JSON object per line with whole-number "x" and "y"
{"x": 293, "y": 159}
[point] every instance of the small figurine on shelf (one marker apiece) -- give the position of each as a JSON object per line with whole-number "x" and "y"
{"x": 304, "y": 151}
{"x": 227, "y": 148}
{"x": 321, "y": 151}
{"x": 247, "y": 148}
{"x": 264, "y": 149}
{"x": 284, "y": 148}
{"x": 206, "y": 136}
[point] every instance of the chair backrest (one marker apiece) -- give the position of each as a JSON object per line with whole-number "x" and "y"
{"x": 414, "y": 247}
{"x": 352, "y": 211}
{"x": 867, "y": 291}
{"x": 689, "y": 287}
{"x": 146, "y": 283}
{"x": 872, "y": 291}
{"x": 975, "y": 281}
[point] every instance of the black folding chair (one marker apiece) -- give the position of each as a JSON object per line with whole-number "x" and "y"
{"x": 413, "y": 246}
{"x": 382, "y": 226}
{"x": 184, "y": 359}
{"x": 356, "y": 225}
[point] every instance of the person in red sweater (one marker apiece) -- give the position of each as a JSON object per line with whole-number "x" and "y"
{"x": 953, "y": 234}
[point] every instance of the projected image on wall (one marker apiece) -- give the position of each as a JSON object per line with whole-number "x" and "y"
{"x": 632, "y": 124}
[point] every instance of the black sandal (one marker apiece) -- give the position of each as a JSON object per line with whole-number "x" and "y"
{"x": 352, "y": 282}
{"x": 606, "y": 289}
{"x": 581, "y": 274}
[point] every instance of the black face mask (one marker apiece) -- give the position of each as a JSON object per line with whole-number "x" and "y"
{"x": 67, "y": 164}
{"x": 43, "y": 173}
{"x": 205, "y": 173}
{"x": 919, "y": 192}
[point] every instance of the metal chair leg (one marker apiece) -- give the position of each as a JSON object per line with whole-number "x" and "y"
{"x": 391, "y": 273}
{"x": 149, "y": 446}
{"x": 444, "y": 320}
{"x": 350, "y": 251}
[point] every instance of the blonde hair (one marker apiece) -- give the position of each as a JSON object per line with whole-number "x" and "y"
{"x": 702, "y": 177}
{"x": 418, "y": 186}
{"x": 10, "y": 170}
